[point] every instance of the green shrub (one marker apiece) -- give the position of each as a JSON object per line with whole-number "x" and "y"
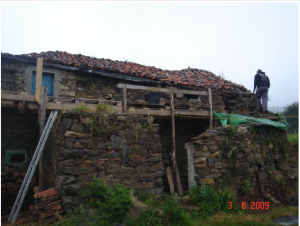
{"x": 209, "y": 201}
{"x": 246, "y": 186}
{"x": 142, "y": 195}
{"x": 149, "y": 216}
{"x": 173, "y": 214}
{"x": 81, "y": 108}
{"x": 111, "y": 204}
{"x": 71, "y": 220}
{"x": 293, "y": 138}
{"x": 292, "y": 113}
{"x": 102, "y": 107}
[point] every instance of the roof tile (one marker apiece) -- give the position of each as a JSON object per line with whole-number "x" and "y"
{"x": 187, "y": 77}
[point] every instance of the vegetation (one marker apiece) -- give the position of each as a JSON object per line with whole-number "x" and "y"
{"x": 102, "y": 107}
{"x": 211, "y": 202}
{"x": 291, "y": 111}
{"x": 148, "y": 216}
{"x": 246, "y": 186}
{"x": 150, "y": 120}
{"x": 91, "y": 81}
{"x": 293, "y": 138}
{"x": 264, "y": 218}
{"x": 174, "y": 214}
{"x": 142, "y": 195}
{"x": 72, "y": 220}
{"x": 81, "y": 107}
{"x": 111, "y": 204}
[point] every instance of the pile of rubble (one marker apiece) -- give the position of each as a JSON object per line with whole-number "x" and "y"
{"x": 47, "y": 206}
{"x": 11, "y": 181}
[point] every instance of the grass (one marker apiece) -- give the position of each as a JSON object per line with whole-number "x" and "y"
{"x": 101, "y": 108}
{"x": 142, "y": 195}
{"x": 247, "y": 219}
{"x": 210, "y": 201}
{"x": 81, "y": 108}
{"x": 150, "y": 217}
{"x": 293, "y": 138}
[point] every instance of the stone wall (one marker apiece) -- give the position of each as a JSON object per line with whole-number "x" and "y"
{"x": 81, "y": 84}
{"x": 13, "y": 76}
{"x": 230, "y": 155}
{"x": 117, "y": 148}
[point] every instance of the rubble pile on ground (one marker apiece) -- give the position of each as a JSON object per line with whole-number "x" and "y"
{"x": 11, "y": 182}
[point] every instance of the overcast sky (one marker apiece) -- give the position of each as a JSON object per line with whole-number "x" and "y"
{"x": 235, "y": 38}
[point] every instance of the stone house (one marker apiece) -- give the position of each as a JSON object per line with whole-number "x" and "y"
{"x": 134, "y": 90}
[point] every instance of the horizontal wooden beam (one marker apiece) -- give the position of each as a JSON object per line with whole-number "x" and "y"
{"x": 163, "y": 90}
{"x": 7, "y": 100}
{"x": 31, "y": 98}
{"x": 192, "y": 113}
{"x": 7, "y": 104}
{"x": 67, "y": 107}
{"x": 17, "y": 96}
{"x": 168, "y": 112}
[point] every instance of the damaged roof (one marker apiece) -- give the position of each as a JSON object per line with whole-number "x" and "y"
{"x": 191, "y": 77}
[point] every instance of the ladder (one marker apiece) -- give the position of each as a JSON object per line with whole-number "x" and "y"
{"x": 35, "y": 159}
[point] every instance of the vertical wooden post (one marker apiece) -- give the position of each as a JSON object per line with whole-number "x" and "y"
{"x": 173, "y": 158}
{"x": 41, "y": 99}
{"x": 42, "y": 109}
{"x": 177, "y": 183}
{"x": 210, "y": 108}
{"x": 191, "y": 164}
{"x": 125, "y": 99}
{"x": 38, "y": 81}
{"x": 42, "y": 118}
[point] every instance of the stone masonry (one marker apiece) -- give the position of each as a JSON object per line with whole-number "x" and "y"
{"x": 117, "y": 148}
{"x": 231, "y": 155}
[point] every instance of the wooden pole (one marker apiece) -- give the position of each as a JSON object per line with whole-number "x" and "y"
{"x": 177, "y": 181}
{"x": 125, "y": 99}
{"x": 191, "y": 164}
{"x": 42, "y": 109}
{"x": 210, "y": 108}
{"x": 173, "y": 159}
{"x": 170, "y": 179}
{"x": 38, "y": 81}
{"x": 178, "y": 185}
{"x": 42, "y": 118}
{"x": 40, "y": 97}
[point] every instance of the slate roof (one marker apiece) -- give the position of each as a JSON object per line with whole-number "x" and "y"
{"x": 190, "y": 77}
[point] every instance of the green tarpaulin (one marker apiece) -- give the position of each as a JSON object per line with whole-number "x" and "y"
{"x": 233, "y": 119}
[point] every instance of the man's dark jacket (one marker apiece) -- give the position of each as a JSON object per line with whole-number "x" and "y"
{"x": 261, "y": 80}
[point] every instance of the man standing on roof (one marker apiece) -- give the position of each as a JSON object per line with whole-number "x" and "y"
{"x": 262, "y": 82}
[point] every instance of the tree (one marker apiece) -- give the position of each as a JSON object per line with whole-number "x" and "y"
{"x": 292, "y": 110}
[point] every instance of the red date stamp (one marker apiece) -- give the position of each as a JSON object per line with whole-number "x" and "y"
{"x": 253, "y": 205}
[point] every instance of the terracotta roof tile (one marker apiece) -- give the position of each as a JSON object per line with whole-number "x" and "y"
{"x": 186, "y": 77}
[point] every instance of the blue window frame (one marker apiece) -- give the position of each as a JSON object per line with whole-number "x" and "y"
{"x": 47, "y": 81}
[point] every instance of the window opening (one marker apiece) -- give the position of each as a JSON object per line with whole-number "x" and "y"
{"x": 47, "y": 81}
{"x": 16, "y": 156}
{"x": 191, "y": 96}
{"x": 153, "y": 98}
